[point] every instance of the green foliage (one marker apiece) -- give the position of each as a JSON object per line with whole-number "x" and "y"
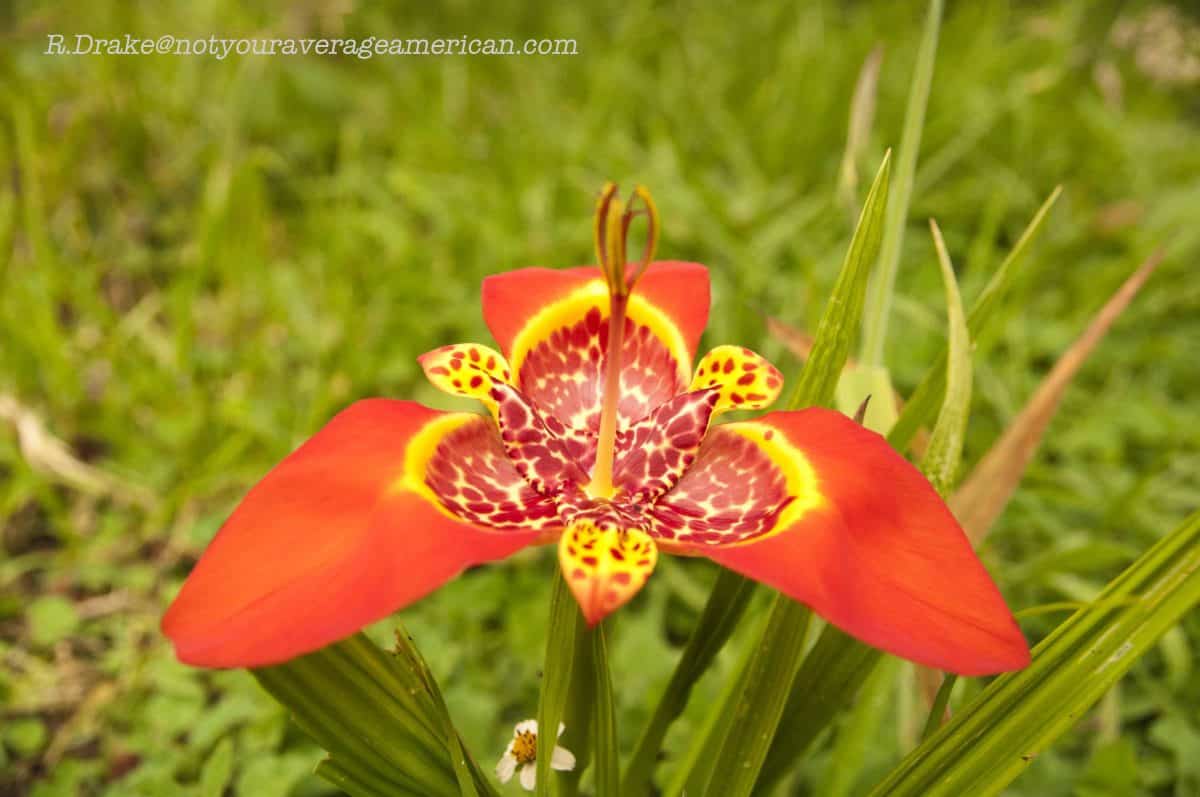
{"x": 883, "y": 283}
{"x": 747, "y": 732}
{"x": 997, "y": 735}
{"x": 944, "y": 452}
{"x": 381, "y": 719}
{"x": 202, "y": 260}
{"x": 564, "y": 630}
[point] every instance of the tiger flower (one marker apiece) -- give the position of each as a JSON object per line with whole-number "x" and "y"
{"x": 614, "y": 459}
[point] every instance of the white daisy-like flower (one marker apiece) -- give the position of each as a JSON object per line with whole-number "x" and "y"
{"x": 522, "y": 752}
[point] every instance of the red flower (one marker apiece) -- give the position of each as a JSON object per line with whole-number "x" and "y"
{"x": 612, "y": 458}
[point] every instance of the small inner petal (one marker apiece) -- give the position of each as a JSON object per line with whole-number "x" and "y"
{"x": 654, "y": 452}
{"x": 746, "y": 380}
{"x": 533, "y": 443}
{"x": 465, "y": 369}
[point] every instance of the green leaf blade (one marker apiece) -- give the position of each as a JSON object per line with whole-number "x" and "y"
{"x": 565, "y": 626}
{"x": 944, "y": 453}
{"x": 839, "y": 323}
{"x": 725, "y": 606}
{"x": 995, "y": 737}
{"x": 923, "y": 403}
{"x": 879, "y": 302}
{"x": 775, "y": 660}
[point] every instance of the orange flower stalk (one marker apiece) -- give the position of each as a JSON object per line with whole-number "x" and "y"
{"x": 614, "y": 459}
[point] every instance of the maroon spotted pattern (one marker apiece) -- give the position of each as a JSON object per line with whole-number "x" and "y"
{"x": 564, "y": 374}
{"x": 534, "y": 442}
{"x": 675, "y": 479}
{"x": 474, "y": 479}
{"x": 655, "y": 451}
{"x": 731, "y": 493}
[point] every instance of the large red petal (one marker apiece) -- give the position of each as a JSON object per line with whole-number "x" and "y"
{"x": 871, "y": 547}
{"x": 334, "y": 537}
{"x": 512, "y": 299}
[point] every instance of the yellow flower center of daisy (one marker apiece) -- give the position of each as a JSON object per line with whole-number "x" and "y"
{"x": 524, "y": 747}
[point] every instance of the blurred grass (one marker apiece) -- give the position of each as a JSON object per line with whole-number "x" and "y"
{"x": 201, "y": 260}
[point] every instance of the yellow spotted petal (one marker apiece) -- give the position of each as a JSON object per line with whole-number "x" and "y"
{"x": 466, "y": 369}
{"x": 747, "y": 381}
{"x": 605, "y": 566}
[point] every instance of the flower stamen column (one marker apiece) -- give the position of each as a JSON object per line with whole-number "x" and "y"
{"x": 611, "y": 229}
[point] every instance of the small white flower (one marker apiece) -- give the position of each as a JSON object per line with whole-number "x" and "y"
{"x": 522, "y": 752}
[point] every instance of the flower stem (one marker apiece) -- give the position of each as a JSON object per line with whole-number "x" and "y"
{"x": 565, "y": 626}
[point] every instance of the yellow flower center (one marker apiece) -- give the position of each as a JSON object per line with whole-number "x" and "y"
{"x": 524, "y": 747}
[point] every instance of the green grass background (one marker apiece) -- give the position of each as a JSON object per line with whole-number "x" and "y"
{"x": 202, "y": 260}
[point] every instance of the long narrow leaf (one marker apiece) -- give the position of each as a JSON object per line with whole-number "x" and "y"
{"x": 995, "y": 737}
{"x": 832, "y": 673}
{"x": 839, "y": 323}
{"x": 765, "y": 684}
{"x": 604, "y": 722}
{"x": 471, "y": 779}
{"x": 564, "y": 628}
{"x": 376, "y": 714}
{"x": 837, "y": 667}
{"x": 923, "y": 403}
{"x": 942, "y": 456}
{"x": 857, "y": 732}
{"x": 579, "y": 716}
{"x": 879, "y": 303}
{"x": 763, "y": 692}
{"x": 858, "y": 128}
{"x": 696, "y": 769}
{"x": 984, "y": 494}
{"x": 725, "y": 606}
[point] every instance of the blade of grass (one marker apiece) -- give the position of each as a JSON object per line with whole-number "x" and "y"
{"x": 359, "y": 783}
{"x": 856, "y": 734}
{"x": 816, "y": 385}
{"x": 579, "y": 716}
{"x": 993, "y": 739}
{"x": 938, "y": 711}
{"x": 470, "y": 777}
{"x": 838, "y": 665}
{"x": 696, "y": 769}
{"x": 838, "y": 325}
{"x": 777, "y": 657}
{"x": 565, "y": 626}
{"x": 923, "y": 402}
{"x": 879, "y": 302}
{"x": 726, "y": 604}
{"x": 858, "y": 127}
{"x": 944, "y": 452}
{"x": 832, "y": 673}
{"x": 761, "y": 694}
{"x": 987, "y": 490}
